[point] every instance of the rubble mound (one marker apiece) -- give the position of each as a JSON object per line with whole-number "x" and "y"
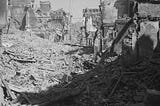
{"x": 111, "y": 84}
{"x": 43, "y": 73}
{"x": 30, "y": 64}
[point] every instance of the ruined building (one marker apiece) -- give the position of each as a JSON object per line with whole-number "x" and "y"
{"x": 59, "y": 18}
{"x": 43, "y": 12}
{"x": 18, "y": 9}
{"x": 112, "y": 10}
{"x": 45, "y": 7}
{"x": 137, "y": 31}
{"x": 93, "y": 13}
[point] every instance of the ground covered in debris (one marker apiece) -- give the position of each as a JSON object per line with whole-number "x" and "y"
{"x": 30, "y": 64}
{"x": 41, "y": 72}
{"x": 111, "y": 85}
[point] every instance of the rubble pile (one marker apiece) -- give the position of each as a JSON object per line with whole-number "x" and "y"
{"x": 43, "y": 73}
{"x": 31, "y": 64}
{"x": 111, "y": 84}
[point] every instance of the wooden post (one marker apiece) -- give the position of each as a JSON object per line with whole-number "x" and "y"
{"x": 70, "y": 32}
{"x": 102, "y": 27}
{"x": 86, "y": 30}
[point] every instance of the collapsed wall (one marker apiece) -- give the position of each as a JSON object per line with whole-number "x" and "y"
{"x": 136, "y": 41}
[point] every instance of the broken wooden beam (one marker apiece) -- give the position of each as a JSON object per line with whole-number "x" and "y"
{"x": 13, "y": 97}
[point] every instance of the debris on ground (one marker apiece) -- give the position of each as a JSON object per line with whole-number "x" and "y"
{"x": 37, "y": 71}
{"x": 111, "y": 85}
{"x": 30, "y": 64}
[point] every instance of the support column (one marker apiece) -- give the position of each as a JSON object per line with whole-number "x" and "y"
{"x": 101, "y": 27}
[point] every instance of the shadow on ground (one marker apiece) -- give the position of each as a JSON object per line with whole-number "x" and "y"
{"x": 63, "y": 94}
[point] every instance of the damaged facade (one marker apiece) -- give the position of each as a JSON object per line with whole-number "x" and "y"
{"x": 92, "y": 13}
{"x": 112, "y": 10}
{"x": 45, "y": 7}
{"x": 134, "y": 31}
{"x": 18, "y": 9}
{"x": 43, "y": 12}
{"x": 91, "y": 22}
{"x": 60, "y": 19}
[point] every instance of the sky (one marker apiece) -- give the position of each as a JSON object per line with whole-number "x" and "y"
{"x": 74, "y": 6}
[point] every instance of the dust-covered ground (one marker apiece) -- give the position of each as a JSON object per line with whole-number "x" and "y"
{"x": 30, "y": 64}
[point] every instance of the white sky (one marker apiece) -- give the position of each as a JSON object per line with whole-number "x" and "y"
{"x": 74, "y": 6}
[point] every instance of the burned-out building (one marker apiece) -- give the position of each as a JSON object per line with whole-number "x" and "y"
{"x": 19, "y": 9}
{"x": 115, "y": 9}
{"x": 60, "y": 19}
{"x": 91, "y": 20}
{"x": 114, "y": 16}
{"x": 137, "y": 35}
{"x": 93, "y": 13}
{"x": 45, "y": 7}
{"x": 43, "y": 12}
{"x": 112, "y": 10}
{"x": 67, "y": 22}
{"x": 58, "y": 15}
